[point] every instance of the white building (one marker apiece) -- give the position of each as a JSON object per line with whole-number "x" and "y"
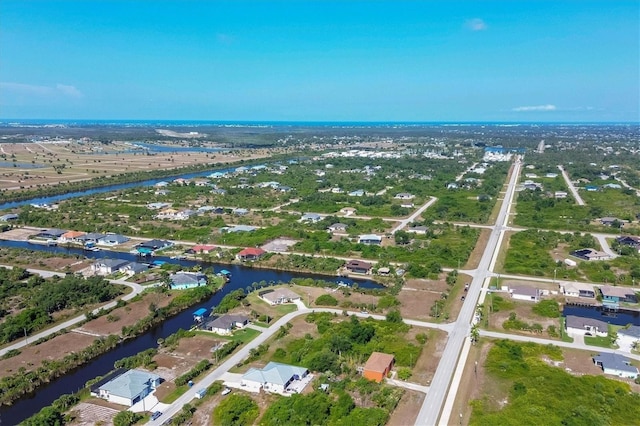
{"x": 628, "y": 337}
{"x": 274, "y": 377}
{"x": 129, "y": 388}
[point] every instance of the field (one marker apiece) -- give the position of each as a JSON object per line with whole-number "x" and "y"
{"x": 29, "y": 165}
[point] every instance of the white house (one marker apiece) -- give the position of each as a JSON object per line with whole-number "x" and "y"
{"x": 628, "y": 337}
{"x": 225, "y": 324}
{"x": 274, "y": 377}
{"x": 404, "y": 196}
{"x": 311, "y": 217}
{"x": 370, "y": 239}
{"x": 529, "y": 294}
{"x": 112, "y": 240}
{"x": 279, "y": 296}
{"x": 586, "y": 326}
{"x": 129, "y": 388}
{"x": 578, "y": 290}
{"x": 616, "y": 365}
{"x": 337, "y": 227}
{"x": 185, "y": 280}
{"x": 108, "y": 266}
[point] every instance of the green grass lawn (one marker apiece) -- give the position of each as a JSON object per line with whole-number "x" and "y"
{"x": 603, "y": 342}
{"x": 177, "y": 393}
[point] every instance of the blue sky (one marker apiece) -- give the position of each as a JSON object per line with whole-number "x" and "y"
{"x": 321, "y": 60}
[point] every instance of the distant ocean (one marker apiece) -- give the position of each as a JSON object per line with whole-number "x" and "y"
{"x": 268, "y": 124}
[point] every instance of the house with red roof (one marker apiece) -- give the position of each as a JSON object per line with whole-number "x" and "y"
{"x": 250, "y": 253}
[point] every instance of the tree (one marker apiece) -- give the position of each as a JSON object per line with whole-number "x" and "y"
{"x": 126, "y": 418}
{"x": 236, "y": 410}
{"x": 394, "y": 316}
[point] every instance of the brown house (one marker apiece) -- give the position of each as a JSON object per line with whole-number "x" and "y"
{"x": 378, "y": 366}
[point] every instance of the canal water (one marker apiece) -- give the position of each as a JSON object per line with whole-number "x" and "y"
{"x": 149, "y": 182}
{"x": 615, "y": 317}
{"x": 241, "y": 277}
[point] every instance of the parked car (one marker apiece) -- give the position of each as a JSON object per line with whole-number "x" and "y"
{"x": 156, "y": 415}
{"x": 226, "y": 391}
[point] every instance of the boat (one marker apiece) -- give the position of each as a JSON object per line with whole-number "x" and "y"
{"x": 52, "y": 243}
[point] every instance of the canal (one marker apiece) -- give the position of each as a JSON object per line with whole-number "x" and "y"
{"x": 241, "y": 277}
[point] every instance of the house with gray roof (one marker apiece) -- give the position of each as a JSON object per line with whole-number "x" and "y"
{"x": 112, "y": 240}
{"x": 628, "y": 337}
{"x": 185, "y": 280}
{"x": 108, "y": 266}
{"x": 225, "y": 324}
{"x": 586, "y": 326}
{"x": 129, "y": 387}
{"x": 616, "y": 365}
{"x": 274, "y": 377}
{"x": 311, "y": 217}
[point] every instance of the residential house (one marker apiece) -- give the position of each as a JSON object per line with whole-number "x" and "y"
{"x": 51, "y": 234}
{"x": 610, "y": 221}
{"x": 586, "y": 326}
{"x": 186, "y": 280}
{"x": 157, "y": 206}
{"x": 591, "y": 188}
{"x": 240, "y": 212}
{"x": 578, "y": 290}
{"x": 618, "y": 294}
{"x": 336, "y": 191}
{"x": 420, "y": 229}
{"x": 337, "y": 227}
{"x": 128, "y": 388}
{"x": 154, "y": 245}
{"x": 311, "y": 217}
{"x": 108, "y": 266}
{"x": 590, "y": 254}
{"x": 279, "y": 296}
{"x": 225, "y": 324}
{"x": 612, "y": 186}
{"x": 203, "y": 248}
{"x": 452, "y": 185}
{"x": 112, "y": 240}
{"x": 72, "y": 237}
{"x": 219, "y": 191}
{"x": 274, "y": 377}
{"x": 629, "y": 240}
{"x": 628, "y": 337}
{"x": 348, "y": 211}
{"x": 161, "y": 184}
{"x": 217, "y": 175}
{"x": 358, "y": 266}
{"x": 529, "y": 294}
{"x": 616, "y": 365}
{"x": 357, "y": 193}
{"x": 378, "y": 366}
{"x": 238, "y": 228}
{"x": 370, "y": 239}
{"x": 90, "y": 238}
{"x": 404, "y": 196}
{"x": 250, "y": 253}
{"x": 560, "y": 194}
{"x": 8, "y": 217}
{"x": 133, "y": 268}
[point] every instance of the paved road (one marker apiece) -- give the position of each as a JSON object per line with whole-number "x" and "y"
{"x": 572, "y": 188}
{"x": 433, "y": 403}
{"x": 136, "y": 289}
{"x": 218, "y": 373}
{"x": 408, "y": 220}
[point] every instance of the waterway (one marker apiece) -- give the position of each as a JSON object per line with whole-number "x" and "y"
{"x": 615, "y": 317}
{"x": 241, "y": 277}
{"x": 149, "y": 182}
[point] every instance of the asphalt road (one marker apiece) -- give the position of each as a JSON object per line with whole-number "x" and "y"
{"x": 572, "y": 188}
{"x": 243, "y": 353}
{"x": 434, "y": 401}
{"x": 136, "y": 289}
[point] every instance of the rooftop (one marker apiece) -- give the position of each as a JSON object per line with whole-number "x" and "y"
{"x": 275, "y": 373}
{"x": 614, "y": 361}
{"x": 379, "y": 362}
{"x": 129, "y": 384}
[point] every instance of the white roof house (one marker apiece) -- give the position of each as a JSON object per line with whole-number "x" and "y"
{"x": 525, "y": 293}
{"x": 628, "y": 337}
{"x": 274, "y": 377}
{"x": 370, "y": 239}
{"x": 129, "y": 388}
{"x": 279, "y": 296}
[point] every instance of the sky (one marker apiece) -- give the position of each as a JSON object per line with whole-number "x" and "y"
{"x": 410, "y": 61}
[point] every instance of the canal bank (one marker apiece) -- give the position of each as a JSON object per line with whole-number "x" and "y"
{"x": 242, "y": 277}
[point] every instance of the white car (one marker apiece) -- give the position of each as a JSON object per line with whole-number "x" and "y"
{"x": 226, "y": 391}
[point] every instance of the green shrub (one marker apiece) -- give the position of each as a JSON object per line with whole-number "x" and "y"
{"x": 547, "y": 308}
{"x": 326, "y": 300}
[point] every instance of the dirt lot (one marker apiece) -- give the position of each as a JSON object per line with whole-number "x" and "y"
{"x": 312, "y": 293}
{"x": 407, "y": 410}
{"x": 418, "y": 295}
{"x": 32, "y": 356}
{"x": 478, "y": 251}
{"x": 53, "y": 163}
{"x": 427, "y": 364}
{"x": 127, "y": 315}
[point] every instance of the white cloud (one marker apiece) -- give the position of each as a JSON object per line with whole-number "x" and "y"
{"x": 529, "y": 108}
{"x": 476, "y": 24}
{"x": 70, "y": 91}
{"x": 40, "y": 91}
